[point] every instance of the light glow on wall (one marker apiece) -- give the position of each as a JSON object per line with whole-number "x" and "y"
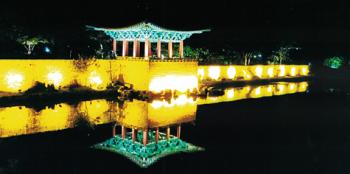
{"x": 231, "y": 72}
{"x": 55, "y": 78}
{"x": 304, "y": 71}
{"x": 14, "y": 80}
{"x": 214, "y": 72}
{"x": 201, "y": 73}
{"x": 95, "y": 80}
{"x": 259, "y": 71}
{"x": 293, "y": 71}
{"x": 270, "y": 72}
{"x": 173, "y": 82}
{"x": 282, "y": 71}
{"x": 246, "y": 76}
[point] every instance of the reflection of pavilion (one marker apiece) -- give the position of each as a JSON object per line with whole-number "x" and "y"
{"x": 141, "y": 138}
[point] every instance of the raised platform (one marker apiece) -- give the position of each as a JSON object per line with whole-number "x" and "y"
{"x": 145, "y": 156}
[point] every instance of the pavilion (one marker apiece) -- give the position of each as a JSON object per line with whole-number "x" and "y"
{"x": 147, "y": 33}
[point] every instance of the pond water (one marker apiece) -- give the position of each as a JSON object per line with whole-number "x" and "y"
{"x": 283, "y": 127}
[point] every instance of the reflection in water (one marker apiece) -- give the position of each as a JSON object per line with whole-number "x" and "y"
{"x": 246, "y": 92}
{"x": 136, "y": 114}
{"x": 141, "y": 138}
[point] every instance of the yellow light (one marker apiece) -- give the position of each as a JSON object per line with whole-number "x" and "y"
{"x": 14, "y": 80}
{"x": 174, "y": 83}
{"x": 231, "y": 72}
{"x": 270, "y": 71}
{"x": 258, "y": 90}
{"x": 54, "y": 119}
{"x": 55, "y": 78}
{"x": 157, "y": 104}
{"x": 214, "y": 72}
{"x": 282, "y": 71}
{"x": 230, "y": 93}
{"x": 269, "y": 88}
{"x": 302, "y": 86}
{"x": 293, "y": 71}
{"x": 280, "y": 87}
{"x": 201, "y": 73}
{"x": 95, "y": 80}
{"x": 213, "y": 98}
{"x": 14, "y": 121}
{"x": 182, "y": 100}
{"x": 247, "y": 76}
{"x": 291, "y": 86}
{"x": 179, "y": 101}
{"x": 304, "y": 71}
{"x": 258, "y": 71}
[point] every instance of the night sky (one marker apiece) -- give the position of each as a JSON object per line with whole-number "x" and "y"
{"x": 321, "y": 27}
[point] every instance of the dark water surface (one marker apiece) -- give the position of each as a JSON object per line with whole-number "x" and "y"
{"x": 306, "y": 132}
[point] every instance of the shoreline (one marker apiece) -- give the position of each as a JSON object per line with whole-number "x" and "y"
{"x": 82, "y": 94}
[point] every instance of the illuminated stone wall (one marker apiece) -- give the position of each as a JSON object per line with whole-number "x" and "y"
{"x": 19, "y": 75}
{"x": 153, "y": 75}
{"x": 236, "y": 72}
{"x": 173, "y": 75}
{"x": 133, "y": 71}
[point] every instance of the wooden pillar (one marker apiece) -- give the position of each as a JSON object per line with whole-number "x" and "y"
{"x": 168, "y": 133}
{"x": 113, "y": 130}
{"x": 146, "y": 47}
{"x": 181, "y": 49}
{"x": 133, "y": 134}
{"x": 157, "y": 135}
{"x": 114, "y": 46}
{"x": 170, "y": 49}
{"x": 159, "y": 49}
{"x": 178, "y": 131}
{"x": 145, "y": 137}
{"x": 135, "y": 51}
{"x": 138, "y": 49}
{"x": 123, "y": 132}
{"x": 150, "y": 49}
{"x": 125, "y": 48}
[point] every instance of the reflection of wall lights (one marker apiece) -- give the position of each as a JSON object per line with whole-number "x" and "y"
{"x": 304, "y": 71}
{"x": 230, "y": 93}
{"x": 179, "y": 101}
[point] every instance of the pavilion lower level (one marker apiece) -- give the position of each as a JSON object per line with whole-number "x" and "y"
{"x": 147, "y": 48}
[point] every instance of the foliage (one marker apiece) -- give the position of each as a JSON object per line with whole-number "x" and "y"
{"x": 83, "y": 64}
{"x": 334, "y": 62}
{"x": 280, "y": 56}
{"x": 98, "y": 40}
{"x": 40, "y": 88}
{"x": 30, "y": 42}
